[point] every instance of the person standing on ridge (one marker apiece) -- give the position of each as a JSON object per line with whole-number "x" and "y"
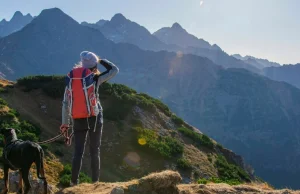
{"x": 81, "y": 104}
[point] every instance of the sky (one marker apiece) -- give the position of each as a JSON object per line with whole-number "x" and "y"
{"x": 262, "y": 28}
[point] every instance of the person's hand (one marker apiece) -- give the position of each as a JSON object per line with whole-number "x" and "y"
{"x": 96, "y": 72}
{"x": 63, "y": 128}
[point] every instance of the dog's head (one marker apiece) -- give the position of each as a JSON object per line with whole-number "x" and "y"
{"x": 8, "y": 134}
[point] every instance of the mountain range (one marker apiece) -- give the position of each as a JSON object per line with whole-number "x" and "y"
{"x": 17, "y": 22}
{"x": 245, "y": 111}
{"x": 259, "y": 63}
{"x": 173, "y": 39}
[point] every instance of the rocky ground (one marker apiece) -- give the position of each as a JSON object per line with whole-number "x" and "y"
{"x": 167, "y": 182}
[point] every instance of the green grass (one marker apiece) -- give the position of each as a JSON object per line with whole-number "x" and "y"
{"x": 65, "y": 176}
{"x": 165, "y": 146}
{"x": 218, "y": 180}
{"x": 199, "y": 139}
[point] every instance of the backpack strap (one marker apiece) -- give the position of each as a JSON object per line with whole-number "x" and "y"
{"x": 85, "y": 90}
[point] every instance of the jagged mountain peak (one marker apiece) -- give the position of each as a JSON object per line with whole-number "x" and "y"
{"x": 17, "y": 14}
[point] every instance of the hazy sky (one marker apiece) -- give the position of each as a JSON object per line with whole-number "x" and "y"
{"x": 262, "y": 28}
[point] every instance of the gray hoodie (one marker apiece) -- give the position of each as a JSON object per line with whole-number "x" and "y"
{"x": 111, "y": 71}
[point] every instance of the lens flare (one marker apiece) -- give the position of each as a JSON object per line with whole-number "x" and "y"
{"x": 132, "y": 159}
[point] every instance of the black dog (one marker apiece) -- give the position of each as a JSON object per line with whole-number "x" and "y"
{"x": 19, "y": 155}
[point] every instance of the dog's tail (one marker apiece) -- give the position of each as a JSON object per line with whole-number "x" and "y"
{"x": 40, "y": 167}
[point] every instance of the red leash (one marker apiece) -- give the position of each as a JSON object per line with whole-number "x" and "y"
{"x": 65, "y": 134}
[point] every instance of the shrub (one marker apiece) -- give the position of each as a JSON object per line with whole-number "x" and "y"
{"x": 166, "y": 146}
{"x": 184, "y": 164}
{"x": 65, "y": 176}
{"x": 25, "y": 129}
{"x": 3, "y": 90}
{"x": 177, "y": 120}
{"x": 199, "y": 139}
{"x": 3, "y": 102}
{"x": 230, "y": 172}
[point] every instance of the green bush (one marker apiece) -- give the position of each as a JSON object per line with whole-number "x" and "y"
{"x": 199, "y": 139}
{"x": 184, "y": 164}
{"x": 230, "y": 172}
{"x": 166, "y": 146}
{"x": 3, "y": 102}
{"x": 177, "y": 120}
{"x": 65, "y": 176}
{"x": 25, "y": 130}
{"x": 3, "y": 90}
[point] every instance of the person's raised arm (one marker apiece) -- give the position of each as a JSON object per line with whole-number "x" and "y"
{"x": 111, "y": 71}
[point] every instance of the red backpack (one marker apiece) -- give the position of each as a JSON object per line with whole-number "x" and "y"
{"x": 81, "y": 93}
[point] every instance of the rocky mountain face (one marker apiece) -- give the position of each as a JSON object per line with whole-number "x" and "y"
{"x": 286, "y": 73}
{"x": 248, "y": 113}
{"x": 120, "y": 29}
{"x": 179, "y": 36}
{"x": 174, "y": 39}
{"x": 256, "y": 62}
{"x": 17, "y": 22}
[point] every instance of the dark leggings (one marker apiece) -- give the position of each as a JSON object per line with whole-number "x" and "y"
{"x": 82, "y": 127}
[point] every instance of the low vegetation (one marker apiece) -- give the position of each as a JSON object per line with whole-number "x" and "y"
{"x": 10, "y": 118}
{"x": 184, "y": 164}
{"x": 65, "y": 176}
{"x": 165, "y": 146}
{"x": 124, "y": 97}
{"x": 199, "y": 139}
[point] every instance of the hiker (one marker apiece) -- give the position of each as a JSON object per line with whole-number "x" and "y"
{"x": 84, "y": 109}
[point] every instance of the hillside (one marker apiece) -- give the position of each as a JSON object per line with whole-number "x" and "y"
{"x": 140, "y": 134}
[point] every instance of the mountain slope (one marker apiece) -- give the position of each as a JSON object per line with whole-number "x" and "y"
{"x": 179, "y": 36}
{"x": 17, "y": 22}
{"x": 140, "y": 130}
{"x": 286, "y": 73}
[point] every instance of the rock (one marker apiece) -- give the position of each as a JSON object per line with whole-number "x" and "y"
{"x": 117, "y": 190}
{"x": 37, "y": 186}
